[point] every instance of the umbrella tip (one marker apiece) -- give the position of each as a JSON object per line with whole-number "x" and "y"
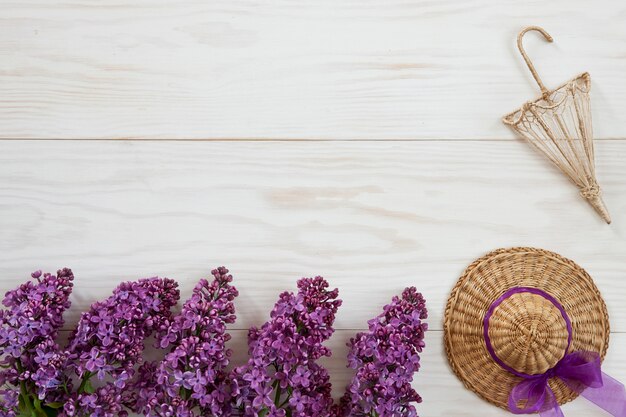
{"x": 598, "y": 204}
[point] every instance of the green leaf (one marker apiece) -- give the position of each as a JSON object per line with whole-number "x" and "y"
{"x": 54, "y": 405}
{"x": 89, "y": 389}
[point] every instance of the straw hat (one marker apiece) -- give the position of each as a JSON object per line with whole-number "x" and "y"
{"x": 519, "y": 311}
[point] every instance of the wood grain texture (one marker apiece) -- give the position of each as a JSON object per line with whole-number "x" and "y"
{"x": 441, "y": 183}
{"x": 372, "y": 217}
{"x": 325, "y": 69}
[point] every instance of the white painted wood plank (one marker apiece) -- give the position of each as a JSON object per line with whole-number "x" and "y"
{"x": 326, "y": 69}
{"x": 371, "y": 217}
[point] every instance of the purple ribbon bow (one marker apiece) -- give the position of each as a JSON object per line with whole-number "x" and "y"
{"x": 580, "y": 371}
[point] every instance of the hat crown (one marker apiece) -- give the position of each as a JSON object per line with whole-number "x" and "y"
{"x": 528, "y": 333}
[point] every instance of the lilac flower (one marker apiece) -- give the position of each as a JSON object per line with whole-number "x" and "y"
{"x": 192, "y": 379}
{"x": 105, "y": 401}
{"x": 262, "y": 397}
{"x": 29, "y": 355}
{"x": 101, "y": 372}
{"x": 109, "y": 341}
{"x": 282, "y": 377}
{"x": 43, "y": 358}
{"x": 385, "y": 359}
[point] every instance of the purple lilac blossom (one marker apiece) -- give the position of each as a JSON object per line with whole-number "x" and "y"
{"x": 29, "y": 355}
{"x": 385, "y": 358}
{"x": 109, "y": 341}
{"x": 192, "y": 379}
{"x": 281, "y": 377}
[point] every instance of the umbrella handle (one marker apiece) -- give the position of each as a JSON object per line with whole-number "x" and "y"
{"x": 531, "y": 67}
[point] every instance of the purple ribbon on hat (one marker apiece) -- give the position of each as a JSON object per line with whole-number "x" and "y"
{"x": 580, "y": 371}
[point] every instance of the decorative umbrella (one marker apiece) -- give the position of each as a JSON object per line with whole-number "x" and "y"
{"x": 558, "y": 124}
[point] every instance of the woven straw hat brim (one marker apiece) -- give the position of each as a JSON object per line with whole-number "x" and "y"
{"x": 487, "y": 279}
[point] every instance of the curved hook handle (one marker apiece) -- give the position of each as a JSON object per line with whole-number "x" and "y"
{"x": 531, "y": 67}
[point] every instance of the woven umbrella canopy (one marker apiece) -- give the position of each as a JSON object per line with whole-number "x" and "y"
{"x": 558, "y": 125}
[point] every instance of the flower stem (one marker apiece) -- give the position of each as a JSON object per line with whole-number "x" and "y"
{"x": 23, "y": 392}
{"x": 279, "y": 392}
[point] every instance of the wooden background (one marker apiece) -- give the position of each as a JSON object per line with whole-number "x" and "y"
{"x": 358, "y": 140}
